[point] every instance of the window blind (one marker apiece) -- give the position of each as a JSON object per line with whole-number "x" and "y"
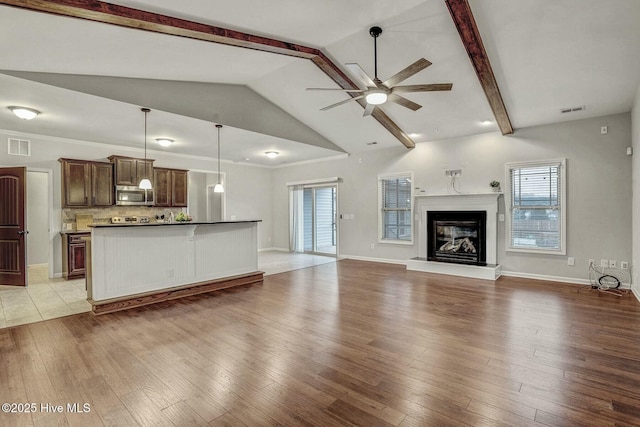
{"x": 536, "y": 204}
{"x": 395, "y": 196}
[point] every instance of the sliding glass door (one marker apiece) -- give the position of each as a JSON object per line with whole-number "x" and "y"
{"x": 319, "y": 220}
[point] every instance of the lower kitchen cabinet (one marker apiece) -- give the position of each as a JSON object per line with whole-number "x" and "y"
{"x": 73, "y": 255}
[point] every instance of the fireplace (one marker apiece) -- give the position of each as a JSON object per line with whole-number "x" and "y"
{"x": 457, "y": 237}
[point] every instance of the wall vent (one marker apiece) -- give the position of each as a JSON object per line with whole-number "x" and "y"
{"x": 573, "y": 109}
{"x": 19, "y": 147}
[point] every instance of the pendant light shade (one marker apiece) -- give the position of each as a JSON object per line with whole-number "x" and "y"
{"x": 218, "y": 188}
{"x": 145, "y": 183}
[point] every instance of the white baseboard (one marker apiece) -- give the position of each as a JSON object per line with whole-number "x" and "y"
{"x": 274, "y": 249}
{"x": 383, "y": 260}
{"x": 57, "y": 275}
{"x": 635, "y": 291}
{"x": 573, "y": 280}
{"x": 38, "y": 265}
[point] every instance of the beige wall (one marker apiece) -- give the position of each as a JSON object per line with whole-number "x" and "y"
{"x": 599, "y": 189}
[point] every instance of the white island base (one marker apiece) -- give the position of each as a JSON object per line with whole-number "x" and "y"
{"x": 135, "y": 265}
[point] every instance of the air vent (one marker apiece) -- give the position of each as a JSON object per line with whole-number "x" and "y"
{"x": 573, "y": 109}
{"x": 19, "y": 147}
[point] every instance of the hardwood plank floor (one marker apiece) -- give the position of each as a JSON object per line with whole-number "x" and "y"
{"x": 346, "y": 343}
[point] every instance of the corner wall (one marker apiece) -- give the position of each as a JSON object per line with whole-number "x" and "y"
{"x": 635, "y": 235}
{"x": 599, "y": 189}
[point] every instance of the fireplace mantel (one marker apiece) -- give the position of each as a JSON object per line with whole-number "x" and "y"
{"x": 459, "y": 202}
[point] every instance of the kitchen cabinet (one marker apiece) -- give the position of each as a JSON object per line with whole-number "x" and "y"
{"x": 73, "y": 255}
{"x": 170, "y": 187}
{"x": 130, "y": 171}
{"x": 86, "y": 183}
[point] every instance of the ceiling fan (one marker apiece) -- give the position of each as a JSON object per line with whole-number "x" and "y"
{"x": 378, "y": 92}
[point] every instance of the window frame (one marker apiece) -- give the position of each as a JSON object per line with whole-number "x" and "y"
{"x": 562, "y": 205}
{"x": 387, "y": 176}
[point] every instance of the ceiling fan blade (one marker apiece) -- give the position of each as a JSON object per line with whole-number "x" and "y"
{"x": 339, "y": 90}
{"x": 363, "y": 77}
{"x": 422, "y": 88}
{"x": 412, "y": 69}
{"x": 368, "y": 110}
{"x": 341, "y": 102}
{"x": 404, "y": 102}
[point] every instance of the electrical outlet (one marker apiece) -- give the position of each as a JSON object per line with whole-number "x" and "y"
{"x": 571, "y": 261}
{"x": 373, "y": 246}
{"x": 592, "y": 262}
{"x": 604, "y": 263}
{"x": 613, "y": 263}
{"x": 624, "y": 265}
{"x": 453, "y": 172}
{"x": 170, "y": 273}
{"x": 604, "y": 130}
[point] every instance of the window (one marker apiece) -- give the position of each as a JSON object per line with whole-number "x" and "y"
{"x": 395, "y": 199}
{"x": 536, "y": 221}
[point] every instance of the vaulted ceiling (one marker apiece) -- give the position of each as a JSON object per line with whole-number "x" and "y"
{"x": 89, "y": 79}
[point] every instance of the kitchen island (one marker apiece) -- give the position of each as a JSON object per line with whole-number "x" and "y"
{"x": 135, "y": 265}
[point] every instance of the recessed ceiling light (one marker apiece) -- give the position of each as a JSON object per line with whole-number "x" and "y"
{"x": 414, "y": 135}
{"x": 271, "y": 154}
{"x": 24, "y": 112}
{"x": 165, "y": 142}
{"x": 486, "y": 122}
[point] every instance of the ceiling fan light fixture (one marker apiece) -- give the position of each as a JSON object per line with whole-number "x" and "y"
{"x": 271, "y": 154}
{"x": 165, "y": 142}
{"x": 376, "y": 97}
{"x": 24, "y": 112}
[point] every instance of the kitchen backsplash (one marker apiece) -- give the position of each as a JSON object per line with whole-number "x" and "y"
{"x": 103, "y": 215}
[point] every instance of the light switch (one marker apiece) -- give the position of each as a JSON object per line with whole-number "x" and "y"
{"x": 501, "y": 217}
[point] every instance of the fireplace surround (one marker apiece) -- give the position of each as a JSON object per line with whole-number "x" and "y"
{"x": 487, "y": 202}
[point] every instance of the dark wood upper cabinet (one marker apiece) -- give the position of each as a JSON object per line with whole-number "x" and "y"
{"x": 179, "y": 186}
{"x": 102, "y": 184}
{"x": 76, "y": 183}
{"x": 162, "y": 186}
{"x": 86, "y": 183}
{"x": 170, "y": 187}
{"x": 130, "y": 171}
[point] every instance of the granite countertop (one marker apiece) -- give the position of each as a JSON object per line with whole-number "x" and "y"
{"x": 151, "y": 224}
{"x": 74, "y": 231}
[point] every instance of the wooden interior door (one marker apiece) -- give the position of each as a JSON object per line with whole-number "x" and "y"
{"x": 13, "y": 236}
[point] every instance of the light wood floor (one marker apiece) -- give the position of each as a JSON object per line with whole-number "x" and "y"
{"x": 346, "y": 343}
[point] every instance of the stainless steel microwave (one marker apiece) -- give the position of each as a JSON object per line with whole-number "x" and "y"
{"x": 133, "y": 196}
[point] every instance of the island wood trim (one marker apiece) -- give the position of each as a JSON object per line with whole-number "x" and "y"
{"x": 139, "y": 300}
{"x": 470, "y": 36}
{"x": 123, "y": 16}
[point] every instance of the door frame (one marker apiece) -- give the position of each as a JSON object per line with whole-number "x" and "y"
{"x": 52, "y": 230}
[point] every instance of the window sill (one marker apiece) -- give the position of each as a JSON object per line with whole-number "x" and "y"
{"x": 560, "y": 252}
{"x": 396, "y": 242}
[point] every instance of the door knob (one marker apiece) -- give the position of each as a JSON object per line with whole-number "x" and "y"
{"x": 23, "y": 232}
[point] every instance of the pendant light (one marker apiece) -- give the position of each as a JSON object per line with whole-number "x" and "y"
{"x": 145, "y": 183}
{"x": 218, "y": 187}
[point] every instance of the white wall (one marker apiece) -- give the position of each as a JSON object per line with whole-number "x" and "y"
{"x": 635, "y": 132}
{"x": 37, "y": 218}
{"x": 247, "y": 192}
{"x": 599, "y": 189}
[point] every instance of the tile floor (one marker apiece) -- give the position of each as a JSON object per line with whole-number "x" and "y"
{"x": 47, "y": 298}
{"x": 42, "y": 299}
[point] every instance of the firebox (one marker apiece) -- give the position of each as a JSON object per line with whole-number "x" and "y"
{"x": 457, "y": 237}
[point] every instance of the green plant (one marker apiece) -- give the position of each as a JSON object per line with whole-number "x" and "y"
{"x": 182, "y": 217}
{"x": 494, "y": 184}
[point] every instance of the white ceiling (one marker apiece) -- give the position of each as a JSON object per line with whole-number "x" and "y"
{"x": 546, "y": 55}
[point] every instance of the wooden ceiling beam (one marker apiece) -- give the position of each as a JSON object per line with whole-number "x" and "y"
{"x": 470, "y": 36}
{"x": 127, "y": 17}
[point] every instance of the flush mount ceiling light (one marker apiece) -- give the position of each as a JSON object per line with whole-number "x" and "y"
{"x": 218, "y": 188}
{"x": 165, "y": 142}
{"x": 486, "y": 122}
{"x": 271, "y": 154}
{"x": 24, "y": 112}
{"x": 376, "y": 97}
{"x": 145, "y": 183}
